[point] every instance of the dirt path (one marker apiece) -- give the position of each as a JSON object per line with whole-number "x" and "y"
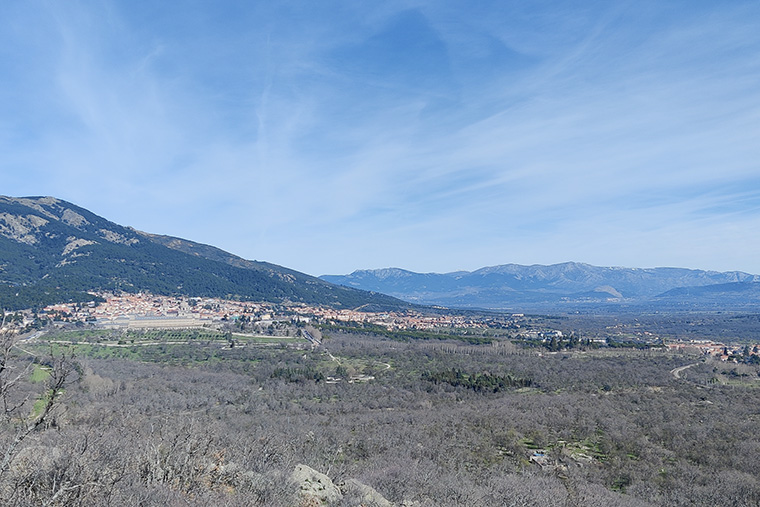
{"x": 677, "y": 371}
{"x": 332, "y": 357}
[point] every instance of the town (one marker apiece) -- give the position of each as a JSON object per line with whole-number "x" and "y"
{"x": 143, "y": 310}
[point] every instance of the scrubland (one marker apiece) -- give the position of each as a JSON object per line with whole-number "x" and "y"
{"x": 207, "y": 421}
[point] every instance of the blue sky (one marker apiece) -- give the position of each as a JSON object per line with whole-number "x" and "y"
{"x": 432, "y": 136}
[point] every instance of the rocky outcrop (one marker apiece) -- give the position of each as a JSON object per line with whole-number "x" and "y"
{"x": 315, "y": 488}
{"x": 115, "y": 237}
{"x": 74, "y": 243}
{"x": 318, "y": 489}
{"x": 73, "y": 219}
{"x": 21, "y": 228}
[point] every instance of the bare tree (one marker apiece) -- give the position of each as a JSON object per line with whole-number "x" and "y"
{"x": 12, "y": 372}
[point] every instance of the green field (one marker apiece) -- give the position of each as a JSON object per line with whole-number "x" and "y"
{"x": 39, "y": 373}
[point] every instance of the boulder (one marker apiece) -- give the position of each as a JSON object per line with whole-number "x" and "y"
{"x": 315, "y": 488}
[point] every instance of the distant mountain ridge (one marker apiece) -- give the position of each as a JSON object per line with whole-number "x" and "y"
{"x": 511, "y": 285}
{"x": 51, "y": 249}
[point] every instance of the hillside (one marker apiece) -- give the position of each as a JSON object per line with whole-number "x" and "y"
{"x": 52, "y": 250}
{"x": 571, "y": 283}
{"x": 193, "y": 422}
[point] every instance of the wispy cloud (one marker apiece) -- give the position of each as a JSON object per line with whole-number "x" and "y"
{"x": 336, "y": 136}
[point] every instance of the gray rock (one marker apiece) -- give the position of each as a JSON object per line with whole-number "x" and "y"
{"x": 315, "y": 486}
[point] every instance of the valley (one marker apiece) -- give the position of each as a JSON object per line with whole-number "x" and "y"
{"x": 207, "y": 417}
{"x": 140, "y": 369}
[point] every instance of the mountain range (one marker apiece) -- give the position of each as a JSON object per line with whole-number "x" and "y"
{"x": 52, "y": 250}
{"x": 566, "y": 285}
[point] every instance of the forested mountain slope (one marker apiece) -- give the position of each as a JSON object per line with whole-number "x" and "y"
{"x": 51, "y": 249}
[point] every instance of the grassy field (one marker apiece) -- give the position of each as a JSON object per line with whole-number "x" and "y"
{"x": 39, "y": 373}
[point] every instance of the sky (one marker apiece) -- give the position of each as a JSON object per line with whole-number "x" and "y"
{"x": 431, "y": 136}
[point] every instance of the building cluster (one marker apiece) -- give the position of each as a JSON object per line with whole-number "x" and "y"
{"x": 407, "y": 319}
{"x": 718, "y": 350}
{"x": 143, "y": 310}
